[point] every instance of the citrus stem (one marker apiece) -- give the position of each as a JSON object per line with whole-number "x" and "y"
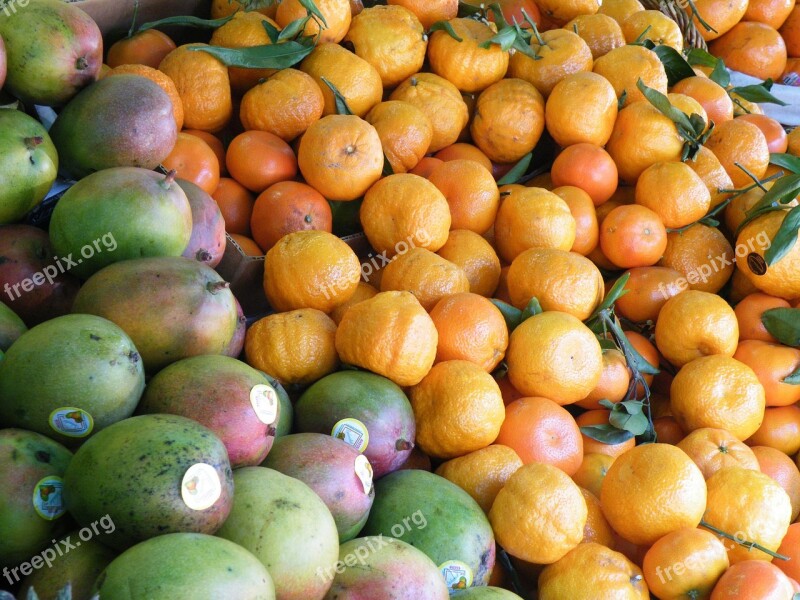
{"x": 516, "y": 583}
{"x": 744, "y": 543}
{"x": 700, "y": 20}
{"x": 744, "y": 190}
{"x": 132, "y": 30}
{"x": 751, "y": 175}
{"x": 712, "y": 213}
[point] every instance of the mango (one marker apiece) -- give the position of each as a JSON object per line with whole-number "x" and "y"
{"x": 207, "y": 242}
{"x": 11, "y": 327}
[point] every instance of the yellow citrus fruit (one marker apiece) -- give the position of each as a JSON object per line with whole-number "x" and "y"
{"x": 714, "y": 449}
{"x": 426, "y": 275}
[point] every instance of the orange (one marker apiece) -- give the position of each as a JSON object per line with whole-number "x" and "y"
{"x": 694, "y": 324}
{"x": 465, "y": 63}
{"x": 508, "y": 120}
{"x": 780, "y": 429}
{"x": 713, "y": 174}
{"x": 364, "y": 291}
{"x": 756, "y": 579}
{"x": 780, "y": 278}
{"x": 214, "y": 143}
{"x": 752, "y": 48}
{"x": 539, "y": 515}
{"x": 563, "y": 52}
{"x": 471, "y": 193}
{"x": 642, "y": 503}
{"x": 619, "y": 10}
{"x": 341, "y": 156}
{"x": 286, "y": 207}
{"x": 501, "y": 293}
{"x": 790, "y": 32}
{"x": 560, "y": 280}
{"x": 223, "y": 8}
{"x": 782, "y": 469}
{"x": 402, "y": 211}
{"x": 772, "y": 363}
{"x": 476, "y": 257}
{"x": 642, "y": 136}
{"x": 720, "y": 392}
{"x": 463, "y": 150}
{"x": 655, "y": 26}
{"x": 426, "y": 275}
{"x": 541, "y": 431}
{"x": 648, "y": 289}
{"x": 532, "y": 218}
{"x": 720, "y": 15}
{"x": 790, "y": 546}
{"x": 613, "y": 384}
{"x": 405, "y": 132}
{"x": 773, "y": 131}
{"x": 162, "y": 80}
{"x": 589, "y": 168}
{"x": 247, "y": 245}
{"x": 600, "y": 32}
{"x": 587, "y": 231}
{"x": 271, "y": 346}
{"x": 592, "y": 446}
{"x": 470, "y": 328}
{"x": 561, "y": 11}
{"x": 429, "y": 11}
{"x": 751, "y": 506}
{"x": 702, "y": 255}
{"x": 458, "y": 409}
{"x": 286, "y": 104}
{"x": 391, "y": 39}
{"x": 203, "y": 85}
{"x": 591, "y": 473}
{"x": 688, "y": 106}
{"x": 748, "y": 314}
{"x": 685, "y": 564}
{"x": 581, "y": 108}
{"x": 714, "y": 449}
{"x": 336, "y": 13}
{"x": 667, "y": 430}
{"x": 194, "y": 161}
{"x": 674, "y": 192}
{"x": 259, "y": 159}
{"x": 624, "y": 66}
{"x": 236, "y": 205}
{"x": 441, "y": 102}
{"x": 357, "y": 80}
{"x": 148, "y": 47}
{"x": 593, "y": 571}
{"x": 245, "y": 30}
{"x": 389, "y": 334}
{"x": 556, "y": 356}
{"x": 310, "y": 269}
{"x": 597, "y": 529}
{"x": 425, "y": 166}
{"x": 482, "y": 473}
{"x": 632, "y": 235}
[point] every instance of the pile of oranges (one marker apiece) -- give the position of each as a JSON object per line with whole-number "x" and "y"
{"x": 484, "y": 296}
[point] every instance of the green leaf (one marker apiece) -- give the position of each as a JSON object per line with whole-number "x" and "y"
{"x": 532, "y": 309}
{"x": 498, "y": 16}
{"x": 270, "y": 56}
{"x": 634, "y": 423}
{"x": 785, "y": 238}
{"x": 606, "y": 433}
{"x": 720, "y": 75}
{"x": 674, "y": 64}
{"x": 703, "y": 58}
{"x": 633, "y": 407}
{"x": 312, "y": 9}
{"x": 293, "y": 29}
{"x": 639, "y": 362}
{"x": 787, "y": 161}
{"x": 468, "y": 10}
{"x": 606, "y": 344}
{"x": 783, "y": 324}
{"x": 783, "y": 191}
{"x": 517, "y": 171}
{"x": 606, "y": 403}
{"x": 615, "y": 293}
{"x": 446, "y": 26}
{"x": 793, "y": 378}
{"x": 187, "y": 21}
{"x": 272, "y": 32}
{"x": 504, "y": 38}
{"x": 341, "y": 101}
{"x": 662, "y": 103}
{"x": 511, "y": 314}
{"x": 521, "y": 45}
{"x": 623, "y": 97}
{"x": 757, "y": 93}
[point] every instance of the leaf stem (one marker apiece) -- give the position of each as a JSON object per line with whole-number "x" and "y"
{"x": 744, "y": 543}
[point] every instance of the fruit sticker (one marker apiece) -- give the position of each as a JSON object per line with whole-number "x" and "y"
{"x": 47, "y": 499}
{"x": 71, "y": 422}
{"x": 353, "y": 432}
{"x": 364, "y": 472}
{"x": 201, "y": 486}
{"x": 457, "y": 575}
{"x": 265, "y": 403}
